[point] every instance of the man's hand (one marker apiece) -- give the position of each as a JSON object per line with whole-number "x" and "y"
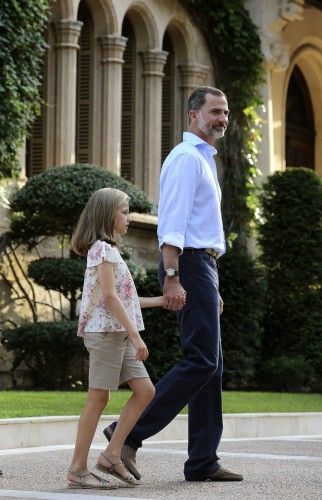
{"x": 174, "y": 295}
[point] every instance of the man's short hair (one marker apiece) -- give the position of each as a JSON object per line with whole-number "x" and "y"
{"x": 198, "y": 97}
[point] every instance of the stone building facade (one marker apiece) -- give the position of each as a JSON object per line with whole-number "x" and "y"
{"x": 117, "y": 76}
{"x": 291, "y": 38}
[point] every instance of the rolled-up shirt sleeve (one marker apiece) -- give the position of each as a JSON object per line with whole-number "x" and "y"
{"x": 178, "y": 183}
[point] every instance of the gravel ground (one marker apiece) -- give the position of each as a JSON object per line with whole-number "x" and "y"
{"x": 273, "y": 469}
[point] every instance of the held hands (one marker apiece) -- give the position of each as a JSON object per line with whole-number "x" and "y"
{"x": 174, "y": 296}
{"x": 141, "y": 349}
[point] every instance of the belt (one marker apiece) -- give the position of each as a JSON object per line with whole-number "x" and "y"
{"x": 210, "y": 251}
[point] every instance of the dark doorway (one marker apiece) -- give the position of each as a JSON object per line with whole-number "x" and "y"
{"x": 300, "y": 132}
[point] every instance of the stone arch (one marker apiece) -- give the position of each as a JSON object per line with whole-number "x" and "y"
{"x": 308, "y": 58}
{"x": 103, "y": 15}
{"x": 64, "y": 9}
{"x": 180, "y": 39}
{"x": 102, "y": 12}
{"x": 144, "y": 24}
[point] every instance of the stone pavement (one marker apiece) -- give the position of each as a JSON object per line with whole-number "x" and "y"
{"x": 278, "y": 468}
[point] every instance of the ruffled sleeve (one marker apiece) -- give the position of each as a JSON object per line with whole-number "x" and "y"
{"x": 101, "y": 251}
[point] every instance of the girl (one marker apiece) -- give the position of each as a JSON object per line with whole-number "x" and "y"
{"x": 110, "y": 320}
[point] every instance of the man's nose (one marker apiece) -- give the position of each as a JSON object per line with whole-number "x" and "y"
{"x": 223, "y": 118}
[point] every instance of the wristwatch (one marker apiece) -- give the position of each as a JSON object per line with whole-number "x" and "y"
{"x": 171, "y": 273}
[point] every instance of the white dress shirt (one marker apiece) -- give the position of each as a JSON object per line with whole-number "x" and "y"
{"x": 189, "y": 212}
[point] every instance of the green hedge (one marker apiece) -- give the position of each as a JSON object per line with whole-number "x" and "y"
{"x": 49, "y": 350}
{"x": 242, "y": 288}
{"x": 291, "y": 242}
{"x": 50, "y": 203}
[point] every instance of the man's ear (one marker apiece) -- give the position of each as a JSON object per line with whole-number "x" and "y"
{"x": 192, "y": 115}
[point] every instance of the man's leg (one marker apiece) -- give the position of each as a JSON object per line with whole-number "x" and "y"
{"x": 205, "y": 429}
{"x": 199, "y": 326}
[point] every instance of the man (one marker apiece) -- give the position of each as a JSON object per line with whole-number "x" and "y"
{"x": 191, "y": 238}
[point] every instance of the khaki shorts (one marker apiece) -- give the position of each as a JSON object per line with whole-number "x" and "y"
{"x": 112, "y": 360}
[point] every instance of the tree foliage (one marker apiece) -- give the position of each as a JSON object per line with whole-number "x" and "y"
{"x": 22, "y": 47}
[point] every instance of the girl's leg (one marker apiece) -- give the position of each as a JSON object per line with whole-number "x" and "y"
{"x": 95, "y": 403}
{"x": 143, "y": 393}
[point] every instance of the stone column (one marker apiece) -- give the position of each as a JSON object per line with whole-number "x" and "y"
{"x": 192, "y": 76}
{"x": 112, "y": 47}
{"x": 67, "y": 34}
{"x": 153, "y": 63}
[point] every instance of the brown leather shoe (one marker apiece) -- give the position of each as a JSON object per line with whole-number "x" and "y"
{"x": 128, "y": 455}
{"x": 220, "y": 474}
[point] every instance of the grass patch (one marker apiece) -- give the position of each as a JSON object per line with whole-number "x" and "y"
{"x": 47, "y": 403}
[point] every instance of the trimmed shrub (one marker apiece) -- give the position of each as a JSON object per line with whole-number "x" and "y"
{"x": 62, "y": 275}
{"x": 291, "y": 241}
{"x": 242, "y": 288}
{"x": 48, "y": 349}
{"x": 50, "y": 203}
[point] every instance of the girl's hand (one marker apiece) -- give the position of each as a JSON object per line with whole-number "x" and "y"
{"x": 141, "y": 349}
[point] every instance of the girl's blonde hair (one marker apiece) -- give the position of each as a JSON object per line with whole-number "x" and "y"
{"x": 97, "y": 219}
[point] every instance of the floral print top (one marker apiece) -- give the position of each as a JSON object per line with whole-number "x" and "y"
{"x": 94, "y": 315}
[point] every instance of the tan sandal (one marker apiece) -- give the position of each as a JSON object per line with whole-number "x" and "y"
{"x": 111, "y": 469}
{"x": 83, "y": 484}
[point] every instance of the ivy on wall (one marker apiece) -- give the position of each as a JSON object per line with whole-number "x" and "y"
{"x": 234, "y": 46}
{"x": 22, "y": 47}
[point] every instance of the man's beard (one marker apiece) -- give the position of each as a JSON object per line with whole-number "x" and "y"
{"x": 217, "y": 134}
{"x": 212, "y": 131}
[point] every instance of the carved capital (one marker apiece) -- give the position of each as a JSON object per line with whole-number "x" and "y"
{"x": 193, "y": 74}
{"x": 67, "y": 34}
{"x": 276, "y": 55}
{"x": 112, "y": 48}
{"x": 153, "y": 62}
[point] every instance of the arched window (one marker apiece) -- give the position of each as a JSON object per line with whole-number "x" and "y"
{"x": 168, "y": 88}
{"x": 83, "y": 149}
{"x": 128, "y": 102}
{"x": 300, "y": 133}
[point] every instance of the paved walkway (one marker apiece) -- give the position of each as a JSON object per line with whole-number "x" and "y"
{"x": 283, "y": 468}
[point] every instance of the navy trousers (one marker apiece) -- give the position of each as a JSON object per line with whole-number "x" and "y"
{"x": 196, "y": 379}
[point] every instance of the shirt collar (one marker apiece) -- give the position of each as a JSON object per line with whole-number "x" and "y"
{"x": 198, "y": 142}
